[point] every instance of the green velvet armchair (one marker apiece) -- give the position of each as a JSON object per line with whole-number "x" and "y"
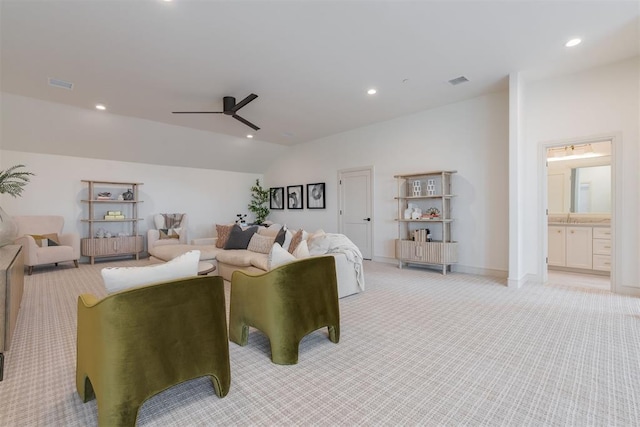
{"x": 136, "y": 343}
{"x": 286, "y": 304}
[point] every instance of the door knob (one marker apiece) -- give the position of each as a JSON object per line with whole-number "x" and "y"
{"x": 367, "y": 219}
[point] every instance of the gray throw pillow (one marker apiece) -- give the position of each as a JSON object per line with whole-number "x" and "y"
{"x": 239, "y": 238}
{"x": 282, "y": 234}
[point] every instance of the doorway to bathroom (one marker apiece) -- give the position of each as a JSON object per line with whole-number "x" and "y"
{"x": 579, "y": 194}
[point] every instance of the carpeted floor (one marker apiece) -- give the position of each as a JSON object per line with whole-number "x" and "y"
{"x": 416, "y": 348}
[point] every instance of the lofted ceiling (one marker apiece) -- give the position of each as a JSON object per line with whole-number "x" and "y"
{"x": 310, "y": 62}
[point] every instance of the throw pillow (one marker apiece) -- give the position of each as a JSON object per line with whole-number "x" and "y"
{"x": 302, "y": 251}
{"x": 282, "y": 234}
{"x": 295, "y": 240}
{"x": 278, "y": 256}
{"x": 121, "y": 278}
{"x": 223, "y": 232}
{"x": 271, "y": 230}
{"x": 287, "y": 239}
{"x": 260, "y": 244}
{"x": 44, "y": 240}
{"x": 239, "y": 238}
{"x": 170, "y": 233}
{"x": 319, "y": 244}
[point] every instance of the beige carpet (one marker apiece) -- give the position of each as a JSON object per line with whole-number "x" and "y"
{"x": 417, "y": 348}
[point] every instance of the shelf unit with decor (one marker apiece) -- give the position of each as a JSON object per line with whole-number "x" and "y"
{"x": 126, "y": 241}
{"x": 427, "y": 193}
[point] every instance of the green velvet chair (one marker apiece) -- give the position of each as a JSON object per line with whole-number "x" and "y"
{"x": 286, "y": 304}
{"x": 136, "y": 343}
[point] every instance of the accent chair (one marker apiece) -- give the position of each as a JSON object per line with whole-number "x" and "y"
{"x": 43, "y": 241}
{"x": 138, "y": 342}
{"x": 286, "y": 304}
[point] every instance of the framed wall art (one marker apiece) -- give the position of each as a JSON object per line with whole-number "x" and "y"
{"x": 294, "y": 197}
{"x": 276, "y": 198}
{"x": 316, "y": 196}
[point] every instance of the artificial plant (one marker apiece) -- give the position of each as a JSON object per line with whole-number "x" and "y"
{"x": 13, "y": 181}
{"x": 259, "y": 202}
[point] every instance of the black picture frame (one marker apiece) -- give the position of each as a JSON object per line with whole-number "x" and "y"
{"x": 295, "y": 197}
{"x": 276, "y": 198}
{"x": 316, "y": 196}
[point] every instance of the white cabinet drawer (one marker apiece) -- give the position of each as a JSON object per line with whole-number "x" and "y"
{"x": 601, "y": 233}
{"x": 601, "y": 247}
{"x": 602, "y": 262}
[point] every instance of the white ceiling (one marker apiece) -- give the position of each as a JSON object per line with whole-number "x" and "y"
{"x": 310, "y": 62}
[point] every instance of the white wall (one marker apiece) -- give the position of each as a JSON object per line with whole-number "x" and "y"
{"x": 37, "y": 126}
{"x": 208, "y": 196}
{"x": 603, "y": 102}
{"x": 470, "y": 137}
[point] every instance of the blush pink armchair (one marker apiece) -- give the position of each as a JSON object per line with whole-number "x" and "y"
{"x": 68, "y": 248}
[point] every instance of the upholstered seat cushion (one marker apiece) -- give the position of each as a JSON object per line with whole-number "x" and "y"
{"x": 243, "y": 258}
{"x": 169, "y": 252}
{"x": 53, "y": 254}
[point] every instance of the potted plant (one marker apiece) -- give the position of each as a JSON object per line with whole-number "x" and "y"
{"x": 259, "y": 200}
{"x": 12, "y": 182}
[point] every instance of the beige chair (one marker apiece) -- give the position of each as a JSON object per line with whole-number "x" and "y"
{"x": 46, "y": 252}
{"x": 165, "y": 234}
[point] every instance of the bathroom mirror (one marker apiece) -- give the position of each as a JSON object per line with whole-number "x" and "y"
{"x": 591, "y": 189}
{"x": 579, "y": 185}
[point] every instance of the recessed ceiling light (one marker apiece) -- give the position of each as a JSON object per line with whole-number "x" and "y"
{"x": 249, "y": 136}
{"x": 100, "y": 107}
{"x": 372, "y": 91}
{"x": 573, "y": 42}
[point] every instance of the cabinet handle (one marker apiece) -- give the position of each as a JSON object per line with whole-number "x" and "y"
{"x": 572, "y": 231}
{"x": 607, "y": 263}
{"x": 559, "y": 231}
{"x": 607, "y": 247}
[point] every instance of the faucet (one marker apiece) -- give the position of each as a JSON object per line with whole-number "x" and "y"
{"x": 568, "y": 220}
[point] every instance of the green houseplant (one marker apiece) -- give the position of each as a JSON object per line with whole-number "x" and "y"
{"x": 259, "y": 202}
{"x": 12, "y": 182}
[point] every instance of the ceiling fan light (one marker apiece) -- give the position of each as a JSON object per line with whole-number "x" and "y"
{"x": 372, "y": 91}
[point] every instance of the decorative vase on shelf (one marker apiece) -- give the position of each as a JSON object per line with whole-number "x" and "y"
{"x": 8, "y": 229}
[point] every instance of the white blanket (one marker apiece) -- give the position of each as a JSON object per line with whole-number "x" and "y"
{"x": 339, "y": 243}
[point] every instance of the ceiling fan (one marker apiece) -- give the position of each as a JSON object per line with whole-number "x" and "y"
{"x": 229, "y": 107}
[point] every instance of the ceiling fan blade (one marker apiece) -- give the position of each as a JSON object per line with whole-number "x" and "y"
{"x": 246, "y": 122}
{"x": 196, "y": 112}
{"x": 244, "y": 102}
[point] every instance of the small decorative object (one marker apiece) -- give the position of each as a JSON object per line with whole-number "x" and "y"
{"x": 315, "y": 196}
{"x": 417, "y": 188}
{"x": 12, "y": 182}
{"x": 408, "y": 211}
{"x": 105, "y": 195}
{"x": 433, "y": 212}
{"x": 127, "y": 195}
{"x": 294, "y": 197}
{"x": 100, "y": 233}
{"x": 120, "y": 198}
{"x": 276, "y": 198}
{"x": 431, "y": 187}
{"x": 107, "y": 234}
{"x": 241, "y": 221}
{"x": 417, "y": 213}
{"x": 259, "y": 200}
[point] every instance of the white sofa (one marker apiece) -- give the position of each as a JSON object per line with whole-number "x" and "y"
{"x": 348, "y": 260}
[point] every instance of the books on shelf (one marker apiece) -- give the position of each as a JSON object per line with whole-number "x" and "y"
{"x": 422, "y": 235}
{"x": 114, "y": 212}
{"x": 103, "y": 198}
{"x": 112, "y": 217}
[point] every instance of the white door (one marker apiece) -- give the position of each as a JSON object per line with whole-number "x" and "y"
{"x": 355, "y": 209}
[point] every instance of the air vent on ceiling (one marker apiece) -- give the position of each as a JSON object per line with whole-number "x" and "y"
{"x": 60, "y": 83}
{"x": 458, "y": 80}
